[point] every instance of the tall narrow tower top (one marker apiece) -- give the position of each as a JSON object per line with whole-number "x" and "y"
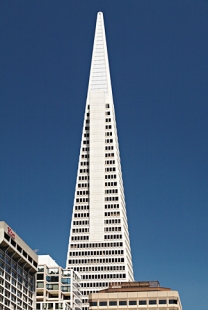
{"x": 99, "y": 72}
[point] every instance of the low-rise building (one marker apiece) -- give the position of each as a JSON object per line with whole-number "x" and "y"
{"x": 56, "y": 288}
{"x": 135, "y": 295}
{"x": 18, "y": 267}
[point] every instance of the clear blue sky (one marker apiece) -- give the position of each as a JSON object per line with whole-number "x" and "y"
{"x": 158, "y": 53}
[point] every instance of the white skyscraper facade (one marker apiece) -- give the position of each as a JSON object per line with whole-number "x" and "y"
{"x": 99, "y": 246}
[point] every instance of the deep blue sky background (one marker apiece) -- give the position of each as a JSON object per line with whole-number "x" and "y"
{"x": 158, "y": 53}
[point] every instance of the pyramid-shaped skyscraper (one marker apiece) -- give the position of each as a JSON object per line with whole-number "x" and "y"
{"x": 99, "y": 247}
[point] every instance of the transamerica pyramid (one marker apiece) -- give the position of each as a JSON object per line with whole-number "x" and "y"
{"x": 99, "y": 247}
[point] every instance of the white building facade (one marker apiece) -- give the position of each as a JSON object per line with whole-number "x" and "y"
{"x": 99, "y": 246}
{"x": 18, "y": 267}
{"x": 56, "y": 288}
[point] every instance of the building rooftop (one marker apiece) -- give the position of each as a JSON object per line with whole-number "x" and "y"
{"x": 47, "y": 260}
{"x": 134, "y": 287}
{"x": 16, "y": 247}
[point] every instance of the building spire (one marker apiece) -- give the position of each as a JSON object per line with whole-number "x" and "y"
{"x": 99, "y": 72}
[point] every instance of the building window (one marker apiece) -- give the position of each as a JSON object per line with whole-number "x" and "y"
{"x": 13, "y": 242}
{"x": 173, "y": 301}
{"x": 122, "y": 303}
{"x": 142, "y": 302}
{"x": 93, "y": 303}
{"x": 162, "y": 302}
{"x": 40, "y": 276}
{"x": 152, "y": 302}
{"x": 132, "y": 302}
{"x": 108, "y": 127}
{"x": 6, "y": 236}
{"x": 103, "y": 303}
{"x": 39, "y": 284}
{"x": 19, "y": 248}
{"x": 112, "y": 303}
{"x": 52, "y": 287}
{"x": 65, "y": 280}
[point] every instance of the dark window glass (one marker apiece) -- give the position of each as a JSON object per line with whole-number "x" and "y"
{"x": 152, "y": 302}
{"x": 103, "y": 303}
{"x": 35, "y": 264}
{"x": 122, "y": 303}
{"x": 13, "y": 243}
{"x": 173, "y": 301}
{"x": 52, "y": 278}
{"x": 6, "y": 236}
{"x": 142, "y": 302}
{"x": 65, "y": 280}
{"x": 93, "y": 303}
{"x": 162, "y": 302}
{"x": 112, "y": 303}
{"x": 40, "y": 276}
{"x": 132, "y": 302}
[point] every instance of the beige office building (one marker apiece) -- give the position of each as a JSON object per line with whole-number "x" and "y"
{"x": 18, "y": 267}
{"x": 135, "y": 295}
{"x": 56, "y": 288}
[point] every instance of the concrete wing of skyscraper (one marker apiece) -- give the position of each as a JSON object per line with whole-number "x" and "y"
{"x": 99, "y": 247}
